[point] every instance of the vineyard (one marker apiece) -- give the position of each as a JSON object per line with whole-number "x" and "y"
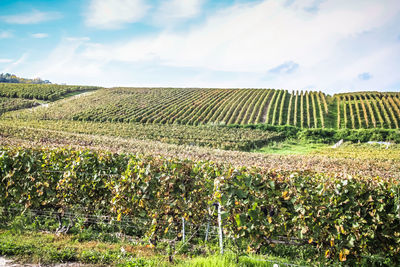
{"x": 303, "y": 109}
{"x": 368, "y": 110}
{"x": 39, "y": 91}
{"x": 117, "y": 138}
{"x": 205, "y": 136}
{"x": 342, "y": 217}
{"x": 8, "y": 104}
{"x": 141, "y": 165}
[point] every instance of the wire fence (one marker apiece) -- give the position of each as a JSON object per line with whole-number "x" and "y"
{"x": 210, "y": 229}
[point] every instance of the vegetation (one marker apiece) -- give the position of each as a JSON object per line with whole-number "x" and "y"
{"x": 206, "y": 136}
{"x": 8, "y": 104}
{"x": 259, "y": 206}
{"x": 43, "y": 91}
{"x": 137, "y": 162}
{"x": 11, "y": 78}
{"x": 189, "y": 106}
{"x": 41, "y": 135}
{"x": 27, "y": 244}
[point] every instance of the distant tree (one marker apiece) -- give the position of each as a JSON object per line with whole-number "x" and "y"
{"x": 12, "y": 78}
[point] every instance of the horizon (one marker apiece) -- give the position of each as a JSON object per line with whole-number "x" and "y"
{"x": 291, "y": 45}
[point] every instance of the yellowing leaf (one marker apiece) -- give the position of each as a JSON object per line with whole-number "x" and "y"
{"x": 119, "y": 217}
{"x": 310, "y": 240}
{"x": 269, "y": 219}
{"x": 342, "y": 256}
{"x": 332, "y": 242}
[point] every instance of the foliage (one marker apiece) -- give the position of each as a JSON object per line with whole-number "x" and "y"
{"x": 11, "y": 78}
{"x": 39, "y": 91}
{"x": 31, "y": 135}
{"x": 8, "y": 104}
{"x": 343, "y": 217}
{"x": 324, "y": 135}
{"x": 206, "y": 135}
{"x": 190, "y": 106}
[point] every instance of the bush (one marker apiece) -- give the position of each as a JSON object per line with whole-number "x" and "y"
{"x": 323, "y": 135}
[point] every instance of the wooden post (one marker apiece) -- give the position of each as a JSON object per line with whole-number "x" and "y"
{"x": 221, "y": 245}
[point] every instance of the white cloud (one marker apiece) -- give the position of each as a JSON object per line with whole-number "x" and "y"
{"x": 173, "y": 10}
{"x": 32, "y": 17}
{"x": 15, "y": 64}
{"x": 5, "y": 60}
{"x": 256, "y": 37}
{"x": 39, "y": 35}
{"x": 65, "y": 62}
{"x": 112, "y": 14}
{"x": 264, "y": 44}
{"x": 5, "y": 34}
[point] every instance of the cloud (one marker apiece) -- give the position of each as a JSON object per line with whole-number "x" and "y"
{"x": 174, "y": 10}
{"x": 364, "y": 76}
{"x": 287, "y": 67}
{"x": 65, "y": 61}
{"x": 5, "y": 60}
{"x": 255, "y": 37}
{"x": 5, "y": 34}
{"x": 32, "y": 17}
{"x": 15, "y": 64}
{"x": 236, "y": 46}
{"x": 39, "y": 35}
{"x": 113, "y": 14}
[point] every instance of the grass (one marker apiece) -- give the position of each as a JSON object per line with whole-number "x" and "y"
{"x": 27, "y": 239}
{"x": 48, "y": 248}
{"x": 35, "y": 247}
{"x": 347, "y": 150}
{"x": 291, "y": 147}
{"x": 361, "y": 151}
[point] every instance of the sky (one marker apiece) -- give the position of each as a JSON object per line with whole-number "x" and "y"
{"x": 328, "y": 45}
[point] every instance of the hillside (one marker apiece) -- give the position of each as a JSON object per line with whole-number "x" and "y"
{"x": 190, "y": 106}
{"x": 123, "y": 157}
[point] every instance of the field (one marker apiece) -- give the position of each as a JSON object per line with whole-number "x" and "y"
{"x": 306, "y": 109}
{"x": 40, "y": 91}
{"x": 136, "y": 176}
{"x": 8, "y": 104}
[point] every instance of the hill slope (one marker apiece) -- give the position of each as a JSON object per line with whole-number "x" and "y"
{"x": 193, "y": 106}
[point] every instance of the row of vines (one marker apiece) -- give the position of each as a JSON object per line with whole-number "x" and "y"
{"x": 39, "y": 91}
{"x": 193, "y": 106}
{"x": 196, "y": 107}
{"x": 8, "y": 104}
{"x": 343, "y": 218}
{"x": 368, "y": 110}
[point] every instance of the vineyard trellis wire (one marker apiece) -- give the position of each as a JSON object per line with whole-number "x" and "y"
{"x": 211, "y": 226}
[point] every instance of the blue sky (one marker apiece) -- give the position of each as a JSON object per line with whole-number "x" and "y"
{"x": 328, "y": 45}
